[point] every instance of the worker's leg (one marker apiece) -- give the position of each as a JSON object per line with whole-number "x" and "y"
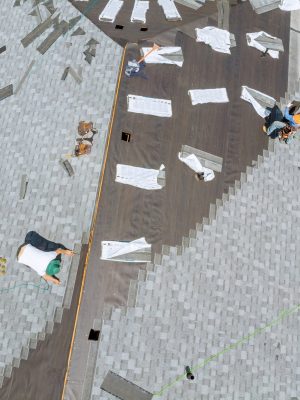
{"x": 41, "y": 243}
{"x": 275, "y": 125}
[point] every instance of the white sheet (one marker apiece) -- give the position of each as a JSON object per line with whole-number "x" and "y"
{"x": 111, "y": 10}
{"x": 143, "y": 178}
{"x": 251, "y": 40}
{"x": 201, "y": 96}
{"x": 289, "y": 5}
{"x": 157, "y": 56}
{"x": 194, "y": 163}
{"x": 217, "y": 39}
{"x": 149, "y": 106}
{"x": 139, "y": 11}
{"x": 262, "y": 111}
{"x": 113, "y": 250}
{"x": 170, "y": 10}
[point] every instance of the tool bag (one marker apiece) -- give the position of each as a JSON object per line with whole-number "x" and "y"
{"x": 285, "y": 133}
{"x": 84, "y": 127}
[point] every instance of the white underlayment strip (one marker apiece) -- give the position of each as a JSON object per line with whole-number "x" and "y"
{"x": 158, "y": 56}
{"x": 149, "y": 106}
{"x": 217, "y": 39}
{"x": 113, "y": 250}
{"x": 289, "y": 5}
{"x": 111, "y": 10}
{"x": 139, "y": 11}
{"x": 170, "y": 10}
{"x": 194, "y": 163}
{"x": 261, "y": 110}
{"x": 143, "y": 178}
{"x": 201, "y": 96}
{"x": 251, "y": 40}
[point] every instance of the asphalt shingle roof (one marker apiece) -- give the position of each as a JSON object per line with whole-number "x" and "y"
{"x": 38, "y": 126}
{"x": 238, "y": 274}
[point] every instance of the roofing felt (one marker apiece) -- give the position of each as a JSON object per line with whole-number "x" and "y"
{"x": 262, "y": 6}
{"x": 123, "y": 31}
{"x": 39, "y": 126}
{"x": 231, "y": 131}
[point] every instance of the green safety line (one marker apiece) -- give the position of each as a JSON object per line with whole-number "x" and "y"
{"x": 283, "y": 314}
{"x": 40, "y": 286}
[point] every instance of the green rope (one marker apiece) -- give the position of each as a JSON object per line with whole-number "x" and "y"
{"x": 44, "y": 287}
{"x": 283, "y": 314}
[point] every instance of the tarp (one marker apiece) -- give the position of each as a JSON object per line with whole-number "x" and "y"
{"x": 170, "y": 10}
{"x": 201, "y": 96}
{"x": 135, "y": 251}
{"x": 217, "y": 39}
{"x": 253, "y": 41}
{"x": 139, "y": 11}
{"x": 259, "y": 100}
{"x": 143, "y": 178}
{"x": 164, "y": 55}
{"x": 111, "y": 10}
{"x": 289, "y": 5}
{"x": 149, "y": 106}
{"x": 194, "y": 163}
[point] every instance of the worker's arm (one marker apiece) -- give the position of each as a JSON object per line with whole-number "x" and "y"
{"x": 287, "y": 114}
{"x": 66, "y": 252}
{"x": 50, "y": 278}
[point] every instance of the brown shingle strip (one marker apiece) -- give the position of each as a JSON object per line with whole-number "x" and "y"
{"x": 54, "y": 35}
{"x": 123, "y": 389}
{"x": 41, "y": 28}
{"x": 6, "y": 92}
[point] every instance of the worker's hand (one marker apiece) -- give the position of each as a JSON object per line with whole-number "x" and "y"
{"x": 56, "y": 281}
{"x": 69, "y": 253}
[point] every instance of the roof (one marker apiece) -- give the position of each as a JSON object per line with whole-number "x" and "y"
{"x": 164, "y": 216}
{"x": 238, "y": 274}
{"x": 39, "y": 126}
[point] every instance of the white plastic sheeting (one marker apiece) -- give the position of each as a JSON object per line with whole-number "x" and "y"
{"x": 217, "y": 39}
{"x": 289, "y": 5}
{"x": 115, "y": 251}
{"x": 149, "y": 106}
{"x": 139, "y": 11}
{"x": 160, "y": 56}
{"x": 259, "y": 108}
{"x": 170, "y": 10}
{"x": 111, "y": 10}
{"x": 194, "y": 163}
{"x": 143, "y": 178}
{"x": 201, "y": 96}
{"x": 252, "y": 42}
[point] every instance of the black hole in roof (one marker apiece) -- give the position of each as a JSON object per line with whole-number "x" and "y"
{"x": 126, "y": 136}
{"x": 143, "y": 29}
{"x": 119, "y": 26}
{"x": 94, "y": 335}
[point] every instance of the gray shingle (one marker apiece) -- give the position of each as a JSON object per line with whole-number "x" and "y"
{"x": 42, "y": 121}
{"x": 236, "y": 276}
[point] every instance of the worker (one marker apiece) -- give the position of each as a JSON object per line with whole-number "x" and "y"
{"x": 43, "y": 256}
{"x": 281, "y": 130}
{"x": 293, "y": 119}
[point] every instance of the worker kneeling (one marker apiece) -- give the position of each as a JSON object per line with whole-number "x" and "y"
{"x": 43, "y": 256}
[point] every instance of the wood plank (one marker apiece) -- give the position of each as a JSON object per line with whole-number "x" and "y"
{"x": 123, "y": 389}
{"x": 37, "y": 31}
